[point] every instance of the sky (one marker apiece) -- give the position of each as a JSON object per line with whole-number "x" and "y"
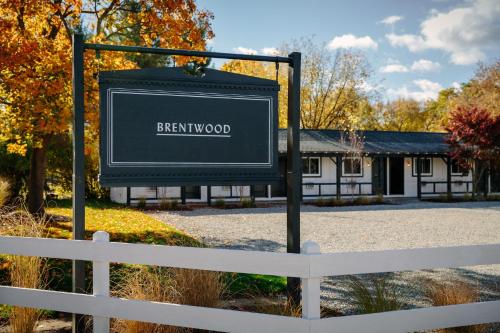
{"x": 415, "y": 48}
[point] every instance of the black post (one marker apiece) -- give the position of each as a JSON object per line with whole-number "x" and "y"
{"x": 338, "y": 165}
{"x": 252, "y": 194}
{"x": 209, "y": 195}
{"x": 448, "y": 177}
{"x": 293, "y": 172}
{"x": 128, "y": 196}
{"x": 183, "y": 195}
{"x": 419, "y": 178}
{"x": 78, "y": 274}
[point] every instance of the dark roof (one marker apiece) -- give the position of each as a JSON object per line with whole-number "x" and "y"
{"x": 374, "y": 142}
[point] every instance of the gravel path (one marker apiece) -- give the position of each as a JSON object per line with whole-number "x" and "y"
{"x": 340, "y": 229}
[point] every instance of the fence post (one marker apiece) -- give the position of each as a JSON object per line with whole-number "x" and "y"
{"x": 311, "y": 287}
{"x": 100, "y": 282}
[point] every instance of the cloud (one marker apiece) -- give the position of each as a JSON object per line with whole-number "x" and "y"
{"x": 464, "y": 32}
{"x": 244, "y": 50}
{"x": 394, "y": 68}
{"x": 270, "y": 51}
{"x": 390, "y": 20}
{"x": 424, "y": 65}
{"x": 426, "y": 90}
{"x": 350, "y": 41}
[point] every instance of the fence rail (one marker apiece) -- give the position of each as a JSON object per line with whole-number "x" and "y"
{"x": 467, "y": 183}
{"x": 310, "y": 265}
{"x": 346, "y": 189}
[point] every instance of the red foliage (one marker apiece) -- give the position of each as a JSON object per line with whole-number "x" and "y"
{"x": 474, "y": 134}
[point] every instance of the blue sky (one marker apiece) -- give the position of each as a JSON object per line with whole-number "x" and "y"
{"x": 415, "y": 48}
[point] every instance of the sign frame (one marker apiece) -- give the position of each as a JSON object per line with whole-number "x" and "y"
{"x": 243, "y": 104}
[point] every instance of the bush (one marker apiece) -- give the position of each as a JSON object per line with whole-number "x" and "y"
{"x": 449, "y": 293}
{"x": 247, "y": 203}
{"x": 220, "y": 203}
{"x": 141, "y": 204}
{"x": 379, "y": 198}
{"x": 376, "y": 297}
{"x": 4, "y": 191}
{"x": 362, "y": 201}
{"x": 168, "y": 204}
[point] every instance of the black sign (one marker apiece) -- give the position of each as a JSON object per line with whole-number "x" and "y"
{"x": 165, "y": 127}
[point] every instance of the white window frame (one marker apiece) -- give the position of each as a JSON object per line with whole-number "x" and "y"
{"x": 360, "y": 174}
{"x": 424, "y": 174}
{"x": 319, "y": 166}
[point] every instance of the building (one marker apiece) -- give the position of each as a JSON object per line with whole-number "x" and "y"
{"x": 381, "y": 163}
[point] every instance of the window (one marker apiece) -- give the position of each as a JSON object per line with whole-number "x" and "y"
{"x": 426, "y": 166}
{"x": 311, "y": 166}
{"x": 352, "y": 166}
{"x": 458, "y": 169}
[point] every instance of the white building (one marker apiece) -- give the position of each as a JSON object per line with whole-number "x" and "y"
{"x": 384, "y": 163}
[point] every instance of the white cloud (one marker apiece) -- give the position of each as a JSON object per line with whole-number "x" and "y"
{"x": 270, "y": 51}
{"x": 244, "y": 50}
{"x": 424, "y": 65}
{"x": 350, "y": 41}
{"x": 394, "y": 68}
{"x": 464, "y": 32}
{"x": 426, "y": 90}
{"x": 390, "y": 20}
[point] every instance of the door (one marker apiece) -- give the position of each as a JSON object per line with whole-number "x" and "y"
{"x": 396, "y": 176}
{"x": 379, "y": 172}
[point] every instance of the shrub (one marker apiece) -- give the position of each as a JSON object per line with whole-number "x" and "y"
{"x": 24, "y": 271}
{"x": 220, "y": 203}
{"x": 141, "y": 204}
{"x": 361, "y": 200}
{"x": 337, "y": 202}
{"x": 4, "y": 191}
{"x": 379, "y": 198}
{"x": 247, "y": 203}
{"x": 167, "y": 204}
{"x": 198, "y": 287}
{"x": 373, "y": 297}
{"x": 449, "y": 293}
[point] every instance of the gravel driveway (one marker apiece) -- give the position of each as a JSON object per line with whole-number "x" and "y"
{"x": 340, "y": 229}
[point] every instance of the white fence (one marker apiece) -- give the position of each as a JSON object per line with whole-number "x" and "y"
{"x": 310, "y": 266}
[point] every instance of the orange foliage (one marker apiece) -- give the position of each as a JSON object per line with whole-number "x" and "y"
{"x": 35, "y": 56}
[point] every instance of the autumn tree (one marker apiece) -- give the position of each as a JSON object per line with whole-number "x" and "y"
{"x": 35, "y": 58}
{"x": 483, "y": 90}
{"x": 332, "y": 84}
{"x": 474, "y": 136}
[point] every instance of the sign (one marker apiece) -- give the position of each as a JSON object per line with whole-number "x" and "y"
{"x": 165, "y": 127}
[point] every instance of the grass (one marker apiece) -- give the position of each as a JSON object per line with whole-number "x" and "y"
{"x": 373, "y": 297}
{"x": 242, "y": 284}
{"x": 453, "y": 292}
{"x": 122, "y": 223}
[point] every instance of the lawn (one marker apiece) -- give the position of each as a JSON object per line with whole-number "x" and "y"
{"x": 122, "y": 223}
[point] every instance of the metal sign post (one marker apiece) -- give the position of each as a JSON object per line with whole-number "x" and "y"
{"x": 78, "y": 274}
{"x": 293, "y": 175}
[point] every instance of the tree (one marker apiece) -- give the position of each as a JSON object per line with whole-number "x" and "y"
{"x": 35, "y": 81}
{"x": 483, "y": 89}
{"x": 474, "y": 136}
{"x": 331, "y": 84}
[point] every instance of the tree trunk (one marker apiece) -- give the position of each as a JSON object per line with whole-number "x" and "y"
{"x": 36, "y": 180}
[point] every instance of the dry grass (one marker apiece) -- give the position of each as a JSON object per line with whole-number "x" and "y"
{"x": 24, "y": 271}
{"x": 4, "y": 191}
{"x": 152, "y": 284}
{"x": 181, "y": 286}
{"x": 449, "y": 293}
{"x": 199, "y": 288}
{"x": 375, "y": 296}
